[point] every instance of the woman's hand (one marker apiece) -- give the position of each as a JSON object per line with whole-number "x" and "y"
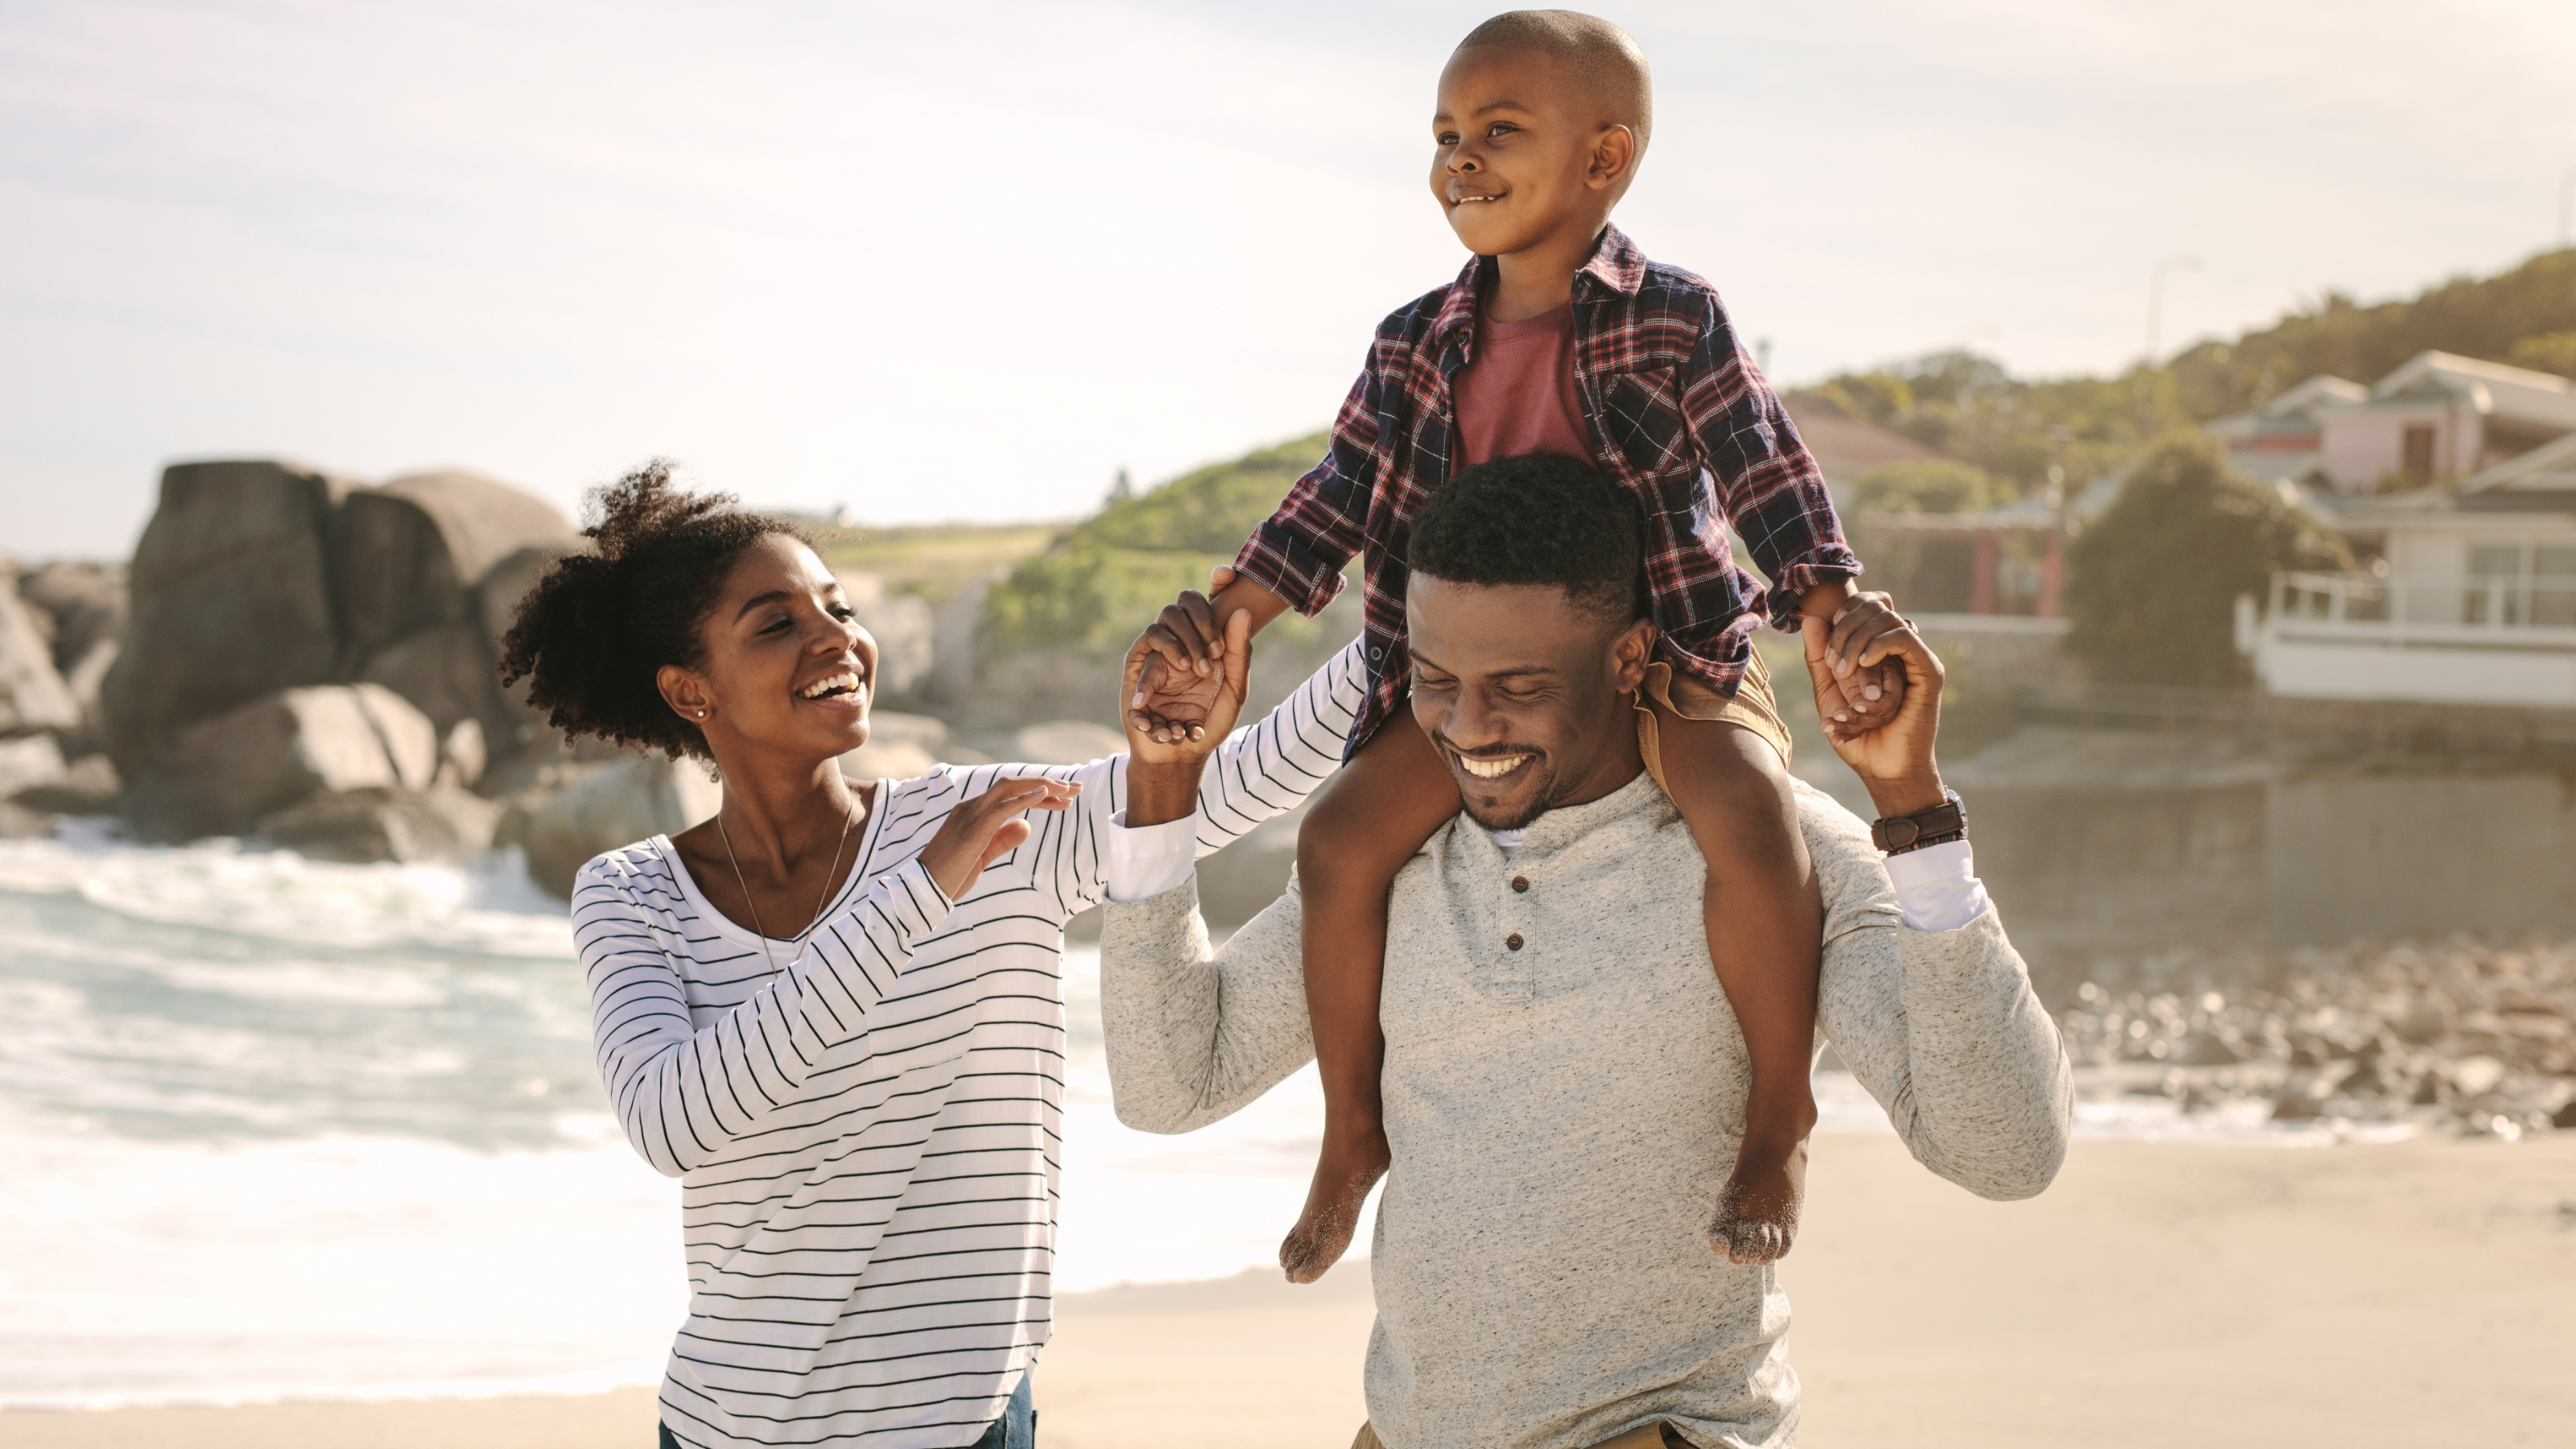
{"x": 988, "y": 827}
{"x": 1894, "y": 760}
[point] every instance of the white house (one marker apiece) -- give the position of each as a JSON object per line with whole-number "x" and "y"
{"x": 2471, "y": 601}
{"x": 2436, "y": 420}
{"x": 2284, "y": 439}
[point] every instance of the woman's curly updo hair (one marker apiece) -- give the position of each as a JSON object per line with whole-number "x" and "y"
{"x": 598, "y": 627}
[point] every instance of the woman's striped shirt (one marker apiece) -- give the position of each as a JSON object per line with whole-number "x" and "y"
{"x": 866, "y": 1142}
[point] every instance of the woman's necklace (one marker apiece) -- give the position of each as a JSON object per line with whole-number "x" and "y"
{"x": 812, "y": 921}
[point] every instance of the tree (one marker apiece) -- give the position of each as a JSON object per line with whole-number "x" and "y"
{"x": 1932, "y": 485}
{"x": 2152, "y": 587}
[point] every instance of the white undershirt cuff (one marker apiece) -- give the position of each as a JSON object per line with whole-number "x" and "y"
{"x": 1937, "y": 887}
{"x": 1147, "y": 860}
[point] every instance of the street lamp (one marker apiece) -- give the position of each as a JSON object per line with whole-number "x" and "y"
{"x": 2156, "y": 298}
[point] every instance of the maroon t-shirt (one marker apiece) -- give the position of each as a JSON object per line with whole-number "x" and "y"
{"x": 1518, "y": 395}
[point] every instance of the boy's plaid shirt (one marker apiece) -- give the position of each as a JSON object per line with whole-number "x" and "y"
{"x": 1674, "y": 406}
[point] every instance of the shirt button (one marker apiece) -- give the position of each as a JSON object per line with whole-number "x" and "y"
{"x": 1513, "y": 940}
{"x": 1520, "y": 882}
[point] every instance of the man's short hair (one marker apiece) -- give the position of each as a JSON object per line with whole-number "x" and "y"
{"x": 1537, "y": 519}
{"x": 1598, "y": 55}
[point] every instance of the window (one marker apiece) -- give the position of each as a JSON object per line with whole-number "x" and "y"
{"x": 2553, "y": 585}
{"x": 2495, "y": 569}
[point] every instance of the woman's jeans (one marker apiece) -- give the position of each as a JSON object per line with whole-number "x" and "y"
{"x": 1016, "y": 1429}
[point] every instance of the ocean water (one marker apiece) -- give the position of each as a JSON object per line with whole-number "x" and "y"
{"x": 281, "y": 1129}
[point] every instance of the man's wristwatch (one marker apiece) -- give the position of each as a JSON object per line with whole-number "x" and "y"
{"x": 1939, "y": 825}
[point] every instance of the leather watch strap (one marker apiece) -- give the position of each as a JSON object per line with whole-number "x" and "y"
{"x": 1942, "y": 823}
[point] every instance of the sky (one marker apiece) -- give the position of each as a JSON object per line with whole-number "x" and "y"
{"x": 966, "y": 261}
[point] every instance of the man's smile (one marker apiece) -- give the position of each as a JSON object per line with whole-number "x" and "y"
{"x": 1493, "y": 767}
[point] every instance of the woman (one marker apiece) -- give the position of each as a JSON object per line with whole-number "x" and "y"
{"x": 834, "y": 1011}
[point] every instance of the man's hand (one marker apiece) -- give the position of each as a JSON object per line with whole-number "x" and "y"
{"x": 1183, "y": 656}
{"x": 1164, "y": 755}
{"x": 1893, "y": 760}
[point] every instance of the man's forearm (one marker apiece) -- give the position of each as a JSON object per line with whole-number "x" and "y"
{"x": 1160, "y": 793}
{"x": 1915, "y": 791}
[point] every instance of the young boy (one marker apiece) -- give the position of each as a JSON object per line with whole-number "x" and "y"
{"x": 1560, "y": 337}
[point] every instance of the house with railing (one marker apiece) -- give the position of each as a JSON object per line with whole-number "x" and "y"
{"x": 2470, "y": 598}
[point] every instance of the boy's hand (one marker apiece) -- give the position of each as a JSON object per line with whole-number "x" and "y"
{"x": 1894, "y": 761}
{"x": 1864, "y": 685}
{"x": 1177, "y": 670}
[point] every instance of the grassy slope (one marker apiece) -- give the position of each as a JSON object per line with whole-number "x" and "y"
{"x": 1102, "y": 580}
{"x": 934, "y": 560}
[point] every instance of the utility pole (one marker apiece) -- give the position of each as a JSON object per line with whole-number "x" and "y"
{"x": 2156, "y": 299}
{"x": 2146, "y": 383}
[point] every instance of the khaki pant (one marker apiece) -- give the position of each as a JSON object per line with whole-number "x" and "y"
{"x": 1752, "y": 708}
{"x": 1644, "y": 1436}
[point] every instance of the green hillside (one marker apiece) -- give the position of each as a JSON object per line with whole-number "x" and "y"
{"x": 2016, "y": 429}
{"x": 2526, "y": 317}
{"x": 1104, "y": 579}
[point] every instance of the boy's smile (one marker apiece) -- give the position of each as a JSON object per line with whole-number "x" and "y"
{"x": 1523, "y": 158}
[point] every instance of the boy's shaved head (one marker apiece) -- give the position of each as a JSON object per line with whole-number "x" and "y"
{"x": 1597, "y": 55}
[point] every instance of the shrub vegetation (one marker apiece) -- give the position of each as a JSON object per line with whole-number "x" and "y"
{"x": 2152, "y": 584}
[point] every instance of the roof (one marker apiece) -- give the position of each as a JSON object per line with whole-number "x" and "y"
{"x": 2551, "y": 467}
{"x": 2296, "y": 410}
{"x": 2517, "y": 394}
{"x": 1846, "y": 447}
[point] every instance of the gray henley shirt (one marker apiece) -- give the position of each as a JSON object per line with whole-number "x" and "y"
{"x": 1564, "y": 1088}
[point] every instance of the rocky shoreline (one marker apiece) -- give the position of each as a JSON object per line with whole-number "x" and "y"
{"x": 2464, "y": 1035}
{"x": 307, "y": 661}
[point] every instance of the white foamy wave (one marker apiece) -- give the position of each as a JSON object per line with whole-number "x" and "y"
{"x": 489, "y": 908}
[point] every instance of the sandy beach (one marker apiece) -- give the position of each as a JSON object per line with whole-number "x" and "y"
{"x": 2157, "y": 1295}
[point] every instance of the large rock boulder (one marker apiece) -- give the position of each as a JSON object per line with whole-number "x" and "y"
{"x": 384, "y": 824}
{"x": 901, "y": 624}
{"x": 223, "y": 775}
{"x": 437, "y": 564}
{"x": 87, "y": 603}
{"x": 447, "y": 674}
{"x": 235, "y": 596}
{"x": 417, "y": 547}
{"x": 618, "y": 804}
{"x": 32, "y": 695}
{"x": 29, "y": 762}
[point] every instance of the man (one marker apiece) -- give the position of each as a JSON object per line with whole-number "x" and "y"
{"x": 1564, "y": 1082}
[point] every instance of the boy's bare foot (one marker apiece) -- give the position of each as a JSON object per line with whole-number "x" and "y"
{"x": 1343, "y": 1176}
{"x": 1757, "y": 1215}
